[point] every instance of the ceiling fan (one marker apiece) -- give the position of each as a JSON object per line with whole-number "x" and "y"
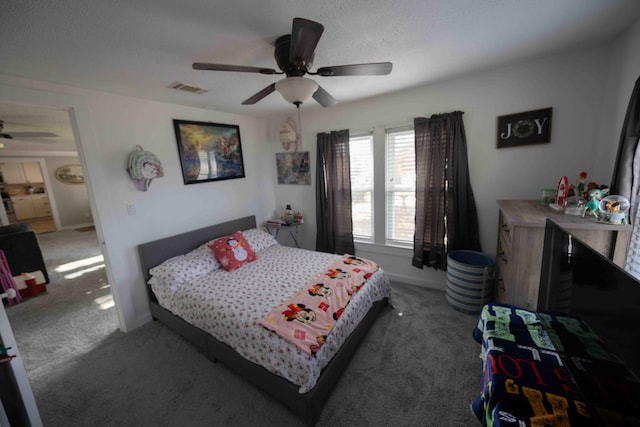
{"x": 294, "y": 55}
{"x": 19, "y": 135}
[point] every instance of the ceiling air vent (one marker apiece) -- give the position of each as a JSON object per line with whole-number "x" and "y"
{"x": 187, "y": 88}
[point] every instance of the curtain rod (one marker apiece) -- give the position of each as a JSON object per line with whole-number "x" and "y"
{"x": 362, "y": 131}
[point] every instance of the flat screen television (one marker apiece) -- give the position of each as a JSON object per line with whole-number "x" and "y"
{"x": 579, "y": 281}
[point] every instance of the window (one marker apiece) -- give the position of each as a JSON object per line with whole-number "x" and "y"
{"x": 387, "y": 199}
{"x": 361, "y": 163}
{"x": 401, "y": 186}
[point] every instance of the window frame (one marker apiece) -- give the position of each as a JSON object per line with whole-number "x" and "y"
{"x": 371, "y": 140}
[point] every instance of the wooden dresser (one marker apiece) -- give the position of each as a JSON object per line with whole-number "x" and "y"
{"x": 521, "y": 229}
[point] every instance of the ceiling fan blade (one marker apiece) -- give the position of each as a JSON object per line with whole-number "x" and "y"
{"x": 371, "y": 69}
{"x": 324, "y": 98}
{"x": 5, "y": 136}
{"x": 258, "y": 96}
{"x": 224, "y": 67}
{"x": 31, "y": 135}
{"x": 305, "y": 35}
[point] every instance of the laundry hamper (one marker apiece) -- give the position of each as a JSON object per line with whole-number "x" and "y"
{"x": 469, "y": 280}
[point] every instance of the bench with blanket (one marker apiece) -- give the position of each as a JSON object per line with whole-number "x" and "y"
{"x": 549, "y": 369}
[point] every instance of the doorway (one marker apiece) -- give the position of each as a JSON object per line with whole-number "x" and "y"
{"x": 26, "y": 193}
{"x": 71, "y": 209}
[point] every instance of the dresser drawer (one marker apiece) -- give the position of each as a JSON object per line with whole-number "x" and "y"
{"x": 505, "y": 230}
{"x": 503, "y": 270}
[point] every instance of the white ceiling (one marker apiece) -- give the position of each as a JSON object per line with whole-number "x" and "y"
{"x": 138, "y": 48}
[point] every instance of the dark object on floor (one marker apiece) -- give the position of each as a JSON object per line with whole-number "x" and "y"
{"x": 22, "y": 249}
{"x": 89, "y": 228}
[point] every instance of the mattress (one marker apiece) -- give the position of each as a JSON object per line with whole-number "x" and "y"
{"x": 229, "y": 304}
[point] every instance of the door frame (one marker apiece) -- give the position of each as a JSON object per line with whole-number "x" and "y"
{"x": 81, "y": 123}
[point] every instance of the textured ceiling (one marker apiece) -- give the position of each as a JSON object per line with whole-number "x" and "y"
{"x": 138, "y": 48}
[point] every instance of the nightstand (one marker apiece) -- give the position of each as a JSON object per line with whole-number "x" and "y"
{"x": 292, "y": 228}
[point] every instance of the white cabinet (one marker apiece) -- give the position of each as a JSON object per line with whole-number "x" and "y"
{"x": 28, "y": 206}
{"x": 13, "y": 173}
{"x": 32, "y": 172}
{"x": 41, "y": 205}
{"x": 23, "y": 207}
{"x": 21, "y": 172}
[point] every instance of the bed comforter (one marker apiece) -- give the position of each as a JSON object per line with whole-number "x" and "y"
{"x": 229, "y": 304}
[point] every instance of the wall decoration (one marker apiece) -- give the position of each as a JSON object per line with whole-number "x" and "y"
{"x": 529, "y": 127}
{"x": 70, "y": 174}
{"x": 208, "y": 151}
{"x": 289, "y": 135}
{"x": 143, "y": 166}
{"x": 293, "y": 168}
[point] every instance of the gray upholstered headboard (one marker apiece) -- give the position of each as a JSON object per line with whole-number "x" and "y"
{"x": 154, "y": 253}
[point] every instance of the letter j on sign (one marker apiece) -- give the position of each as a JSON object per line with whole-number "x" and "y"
{"x": 529, "y": 127}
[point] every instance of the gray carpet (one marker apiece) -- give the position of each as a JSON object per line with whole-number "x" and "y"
{"x": 418, "y": 366}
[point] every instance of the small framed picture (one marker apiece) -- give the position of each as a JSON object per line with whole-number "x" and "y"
{"x": 208, "y": 151}
{"x": 293, "y": 168}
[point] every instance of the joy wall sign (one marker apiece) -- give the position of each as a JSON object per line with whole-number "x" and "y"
{"x": 529, "y": 127}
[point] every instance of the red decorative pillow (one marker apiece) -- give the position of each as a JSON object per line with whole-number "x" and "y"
{"x": 232, "y": 251}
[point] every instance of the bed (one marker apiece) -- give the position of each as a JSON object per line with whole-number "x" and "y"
{"x": 305, "y": 387}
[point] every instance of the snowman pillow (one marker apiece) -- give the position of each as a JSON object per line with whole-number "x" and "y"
{"x": 232, "y": 251}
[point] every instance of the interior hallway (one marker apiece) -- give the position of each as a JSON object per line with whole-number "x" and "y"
{"x": 76, "y": 312}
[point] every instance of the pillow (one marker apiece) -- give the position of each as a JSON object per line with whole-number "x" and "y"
{"x": 183, "y": 269}
{"x": 174, "y": 272}
{"x": 259, "y": 240}
{"x": 202, "y": 258}
{"x": 232, "y": 251}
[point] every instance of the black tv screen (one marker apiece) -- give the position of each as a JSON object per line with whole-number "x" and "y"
{"x": 579, "y": 281}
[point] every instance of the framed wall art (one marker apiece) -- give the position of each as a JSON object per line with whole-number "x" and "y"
{"x": 208, "y": 151}
{"x": 529, "y": 127}
{"x": 293, "y": 168}
{"x": 70, "y": 174}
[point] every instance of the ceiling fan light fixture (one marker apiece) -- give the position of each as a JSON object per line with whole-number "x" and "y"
{"x": 296, "y": 90}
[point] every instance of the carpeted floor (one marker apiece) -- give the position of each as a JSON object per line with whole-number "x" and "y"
{"x": 76, "y": 312}
{"x": 418, "y": 366}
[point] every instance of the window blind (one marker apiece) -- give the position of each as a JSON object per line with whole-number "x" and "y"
{"x": 401, "y": 186}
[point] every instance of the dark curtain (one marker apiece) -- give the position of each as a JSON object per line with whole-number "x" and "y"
{"x": 626, "y": 172}
{"x": 333, "y": 194}
{"x": 446, "y": 217}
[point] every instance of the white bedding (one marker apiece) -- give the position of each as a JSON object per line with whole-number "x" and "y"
{"x": 228, "y": 305}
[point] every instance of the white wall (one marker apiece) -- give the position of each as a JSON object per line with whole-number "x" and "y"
{"x": 71, "y": 200}
{"x": 624, "y": 70}
{"x": 572, "y": 83}
{"x": 108, "y": 128}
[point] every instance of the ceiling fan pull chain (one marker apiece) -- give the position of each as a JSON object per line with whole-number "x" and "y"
{"x": 299, "y": 137}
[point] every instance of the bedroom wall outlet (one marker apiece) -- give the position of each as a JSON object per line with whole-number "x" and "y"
{"x": 131, "y": 209}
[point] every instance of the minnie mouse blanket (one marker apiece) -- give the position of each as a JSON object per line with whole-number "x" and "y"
{"x": 307, "y": 318}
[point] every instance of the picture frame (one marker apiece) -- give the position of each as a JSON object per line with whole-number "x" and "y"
{"x": 70, "y": 174}
{"x": 293, "y": 168}
{"x": 208, "y": 151}
{"x": 525, "y": 128}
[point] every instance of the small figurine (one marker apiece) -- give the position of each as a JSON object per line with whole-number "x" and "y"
{"x": 3, "y": 353}
{"x": 613, "y": 209}
{"x": 562, "y": 192}
{"x": 593, "y": 205}
{"x": 581, "y": 185}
